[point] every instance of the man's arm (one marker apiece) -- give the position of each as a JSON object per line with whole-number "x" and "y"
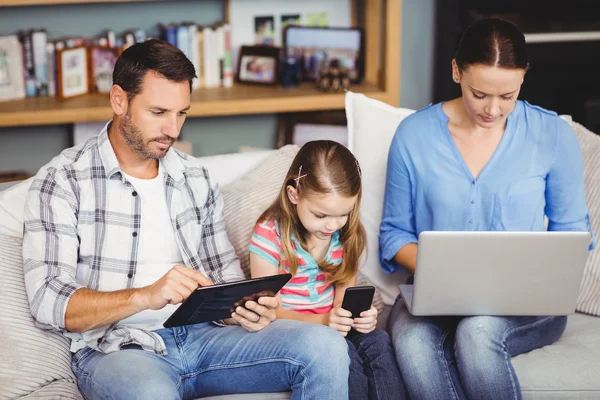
{"x": 90, "y": 309}
{"x": 50, "y": 251}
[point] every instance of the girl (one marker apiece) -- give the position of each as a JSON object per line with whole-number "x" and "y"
{"x": 313, "y": 231}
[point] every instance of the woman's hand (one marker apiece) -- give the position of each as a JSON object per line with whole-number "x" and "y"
{"x": 367, "y": 321}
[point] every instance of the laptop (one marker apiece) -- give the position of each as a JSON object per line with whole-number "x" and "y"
{"x": 497, "y": 273}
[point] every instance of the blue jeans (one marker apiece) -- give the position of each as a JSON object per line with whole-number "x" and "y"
{"x": 465, "y": 358}
{"x": 206, "y": 360}
{"x": 374, "y": 373}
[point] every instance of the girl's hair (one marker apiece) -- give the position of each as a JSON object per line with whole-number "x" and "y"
{"x": 324, "y": 167}
{"x": 493, "y": 42}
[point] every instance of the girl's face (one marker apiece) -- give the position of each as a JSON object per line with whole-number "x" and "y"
{"x": 322, "y": 214}
{"x": 489, "y": 93}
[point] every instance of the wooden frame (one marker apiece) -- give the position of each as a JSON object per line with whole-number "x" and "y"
{"x": 380, "y": 19}
{"x": 73, "y": 80}
{"x": 360, "y": 56}
{"x": 265, "y": 56}
{"x": 94, "y": 85}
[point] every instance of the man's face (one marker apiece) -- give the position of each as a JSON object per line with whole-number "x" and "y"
{"x": 155, "y": 116}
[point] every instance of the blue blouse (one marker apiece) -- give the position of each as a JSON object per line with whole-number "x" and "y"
{"x": 536, "y": 170}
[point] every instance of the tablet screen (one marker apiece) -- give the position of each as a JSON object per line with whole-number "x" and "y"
{"x": 217, "y": 302}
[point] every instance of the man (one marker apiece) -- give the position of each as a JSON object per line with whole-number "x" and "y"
{"x": 122, "y": 229}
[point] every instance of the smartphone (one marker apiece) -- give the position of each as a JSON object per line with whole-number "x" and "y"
{"x": 358, "y": 299}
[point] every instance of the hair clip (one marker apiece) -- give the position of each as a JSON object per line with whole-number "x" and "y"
{"x": 358, "y": 168}
{"x": 299, "y": 175}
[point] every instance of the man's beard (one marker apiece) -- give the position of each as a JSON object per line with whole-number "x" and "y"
{"x": 135, "y": 140}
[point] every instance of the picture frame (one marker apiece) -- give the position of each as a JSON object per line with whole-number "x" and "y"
{"x": 299, "y": 128}
{"x": 12, "y": 83}
{"x": 101, "y": 63}
{"x": 258, "y": 65}
{"x": 72, "y": 72}
{"x": 315, "y": 47}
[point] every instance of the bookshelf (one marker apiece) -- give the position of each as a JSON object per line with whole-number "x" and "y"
{"x": 379, "y": 18}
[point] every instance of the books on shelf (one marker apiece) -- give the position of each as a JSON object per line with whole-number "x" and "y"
{"x": 28, "y": 65}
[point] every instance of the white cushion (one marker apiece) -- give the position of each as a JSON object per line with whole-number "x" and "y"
{"x": 12, "y": 207}
{"x": 371, "y": 128}
{"x": 226, "y": 168}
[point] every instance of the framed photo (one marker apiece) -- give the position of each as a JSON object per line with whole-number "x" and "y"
{"x": 72, "y": 71}
{"x": 258, "y": 65}
{"x": 101, "y": 61}
{"x": 316, "y": 47}
{"x": 12, "y": 84}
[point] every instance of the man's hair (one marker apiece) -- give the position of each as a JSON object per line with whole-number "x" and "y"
{"x": 152, "y": 55}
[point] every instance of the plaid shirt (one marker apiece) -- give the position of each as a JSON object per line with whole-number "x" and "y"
{"x": 82, "y": 219}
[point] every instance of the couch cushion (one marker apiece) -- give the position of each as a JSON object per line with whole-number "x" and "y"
{"x": 589, "y": 295}
{"x": 568, "y": 369}
{"x": 30, "y": 359}
{"x": 246, "y": 198}
{"x": 12, "y": 203}
{"x": 371, "y": 128}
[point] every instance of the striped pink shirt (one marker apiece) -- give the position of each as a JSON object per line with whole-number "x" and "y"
{"x": 307, "y": 291}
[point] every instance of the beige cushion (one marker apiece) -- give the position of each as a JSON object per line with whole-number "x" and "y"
{"x": 32, "y": 362}
{"x": 246, "y": 198}
{"x": 589, "y": 295}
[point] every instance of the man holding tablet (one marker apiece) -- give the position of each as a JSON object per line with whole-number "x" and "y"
{"x": 121, "y": 230}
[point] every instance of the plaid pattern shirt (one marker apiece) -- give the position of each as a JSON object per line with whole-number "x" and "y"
{"x": 82, "y": 219}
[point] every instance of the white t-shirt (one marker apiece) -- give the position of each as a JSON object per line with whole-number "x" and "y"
{"x": 158, "y": 250}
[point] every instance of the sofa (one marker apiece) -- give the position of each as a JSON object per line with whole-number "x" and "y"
{"x": 36, "y": 364}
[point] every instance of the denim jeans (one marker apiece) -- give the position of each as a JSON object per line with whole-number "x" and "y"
{"x": 374, "y": 373}
{"x": 465, "y": 358}
{"x": 206, "y": 360}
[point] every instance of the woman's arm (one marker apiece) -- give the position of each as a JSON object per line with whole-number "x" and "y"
{"x": 398, "y": 236}
{"x": 566, "y": 207}
{"x": 407, "y": 257}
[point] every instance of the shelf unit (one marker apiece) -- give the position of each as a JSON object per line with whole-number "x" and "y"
{"x": 379, "y": 18}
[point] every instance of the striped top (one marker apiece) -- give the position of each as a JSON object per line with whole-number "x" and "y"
{"x": 307, "y": 291}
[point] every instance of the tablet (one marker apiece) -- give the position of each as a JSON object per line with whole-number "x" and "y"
{"x": 213, "y": 303}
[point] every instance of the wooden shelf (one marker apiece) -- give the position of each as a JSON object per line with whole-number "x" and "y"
{"x": 381, "y": 21}
{"x": 238, "y": 100}
{"x": 17, "y": 3}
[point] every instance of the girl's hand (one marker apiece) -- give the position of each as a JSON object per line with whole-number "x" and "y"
{"x": 367, "y": 321}
{"x": 340, "y": 320}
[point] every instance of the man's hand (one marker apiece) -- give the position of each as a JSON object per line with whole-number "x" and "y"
{"x": 340, "y": 320}
{"x": 367, "y": 321}
{"x": 173, "y": 288}
{"x": 256, "y": 315}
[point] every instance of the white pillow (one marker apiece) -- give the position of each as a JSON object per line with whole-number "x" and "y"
{"x": 12, "y": 208}
{"x": 371, "y": 128}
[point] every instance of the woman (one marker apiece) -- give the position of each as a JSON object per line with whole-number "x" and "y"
{"x": 486, "y": 162}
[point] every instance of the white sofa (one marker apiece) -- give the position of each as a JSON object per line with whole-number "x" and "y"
{"x": 569, "y": 369}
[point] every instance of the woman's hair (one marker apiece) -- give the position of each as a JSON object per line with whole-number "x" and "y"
{"x": 493, "y": 42}
{"x": 324, "y": 167}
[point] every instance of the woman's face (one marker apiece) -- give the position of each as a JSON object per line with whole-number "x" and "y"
{"x": 489, "y": 93}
